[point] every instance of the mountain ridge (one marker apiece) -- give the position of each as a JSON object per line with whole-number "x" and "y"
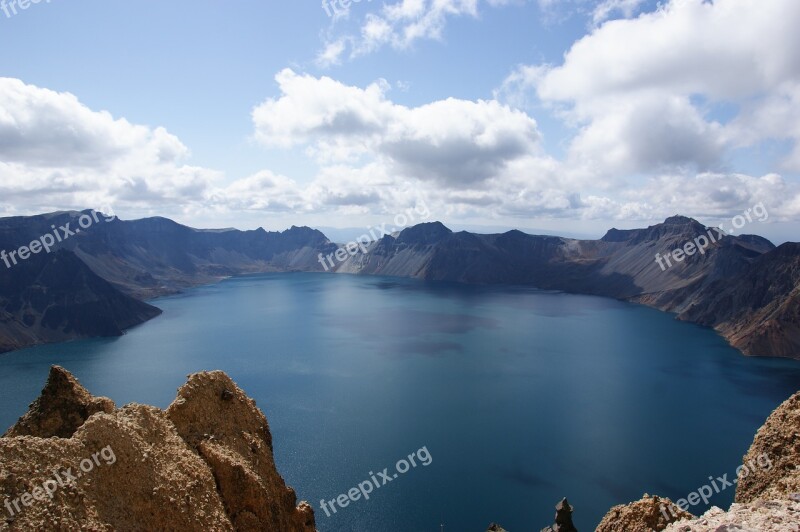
{"x": 742, "y": 286}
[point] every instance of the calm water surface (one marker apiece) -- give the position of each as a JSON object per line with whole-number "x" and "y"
{"x": 520, "y": 396}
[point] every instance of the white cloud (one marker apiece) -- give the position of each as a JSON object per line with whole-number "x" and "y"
{"x": 482, "y": 159}
{"x": 331, "y": 54}
{"x": 400, "y": 25}
{"x": 449, "y": 142}
{"x": 644, "y": 133}
{"x": 607, "y": 8}
{"x": 58, "y": 153}
{"x": 718, "y": 195}
{"x": 642, "y": 91}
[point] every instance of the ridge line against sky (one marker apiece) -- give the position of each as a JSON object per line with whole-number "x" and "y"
{"x": 573, "y": 115}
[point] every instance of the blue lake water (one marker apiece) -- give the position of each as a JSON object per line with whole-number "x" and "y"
{"x": 520, "y": 396}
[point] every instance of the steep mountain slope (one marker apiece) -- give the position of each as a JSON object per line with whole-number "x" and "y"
{"x": 758, "y": 310}
{"x": 92, "y": 280}
{"x": 56, "y": 297}
{"x": 741, "y": 285}
{"x": 156, "y": 256}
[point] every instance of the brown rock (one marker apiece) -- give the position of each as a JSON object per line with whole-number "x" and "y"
{"x": 645, "y": 515}
{"x": 145, "y": 476}
{"x": 231, "y": 434}
{"x": 770, "y": 516}
{"x": 767, "y": 495}
{"x": 154, "y": 482}
{"x": 774, "y": 457}
{"x": 63, "y": 406}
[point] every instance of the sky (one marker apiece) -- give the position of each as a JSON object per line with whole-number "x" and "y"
{"x": 560, "y": 116}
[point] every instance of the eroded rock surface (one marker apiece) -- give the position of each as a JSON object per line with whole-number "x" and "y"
{"x": 205, "y": 464}
{"x": 231, "y": 434}
{"x": 61, "y": 409}
{"x": 645, "y": 515}
{"x": 759, "y": 516}
{"x": 777, "y": 442}
{"x": 767, "y": 494}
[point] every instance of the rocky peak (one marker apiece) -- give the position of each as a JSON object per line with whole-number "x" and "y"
{"x": 63, "y": 407}
{"x": 231, "y": 434}
{"x": 204, "y": 464}
{"x": 563, "y": 518}
{"x": 675, "y": 226}
{"x": 424, "y": 234}
{"x": 680, "y": 220}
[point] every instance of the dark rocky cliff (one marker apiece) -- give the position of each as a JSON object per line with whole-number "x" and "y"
{"x": 56, "y": 297}
{"x": 742, "y": 285}
{"x": 92, "y": 283}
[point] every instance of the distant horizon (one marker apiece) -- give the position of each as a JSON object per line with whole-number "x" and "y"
{"x": 345, "y": 234}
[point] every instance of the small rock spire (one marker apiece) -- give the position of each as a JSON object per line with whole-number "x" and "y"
{"x": 563, "y": 518}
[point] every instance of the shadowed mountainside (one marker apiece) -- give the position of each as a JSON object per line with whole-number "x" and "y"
{"x": 742, "y": 286}
{"x": 155, "y": 256}
{"x": 92, "y": 282}
{"x": 57, "y": 297}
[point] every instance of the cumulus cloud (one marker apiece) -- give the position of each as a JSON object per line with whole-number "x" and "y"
{"x": 715, "y": 195}
{"x": 449, "y": 142}
{"x": 647, "y": 138}
{"x": 58, "y": 153}
{"x": 646, "y": 106}
{"x": 483, "y": 159}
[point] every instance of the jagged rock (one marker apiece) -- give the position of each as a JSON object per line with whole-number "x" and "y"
{"x": 563, "y": 518}
{"x": 769, "y": 516}
{"x": 767, "y": 496}
{"x": 157, "y": 480}
{"x": 645, "y": 515}
{"x": 776, "y": 443}
{"x": 494, "y": 527}
{"x": 231, "y": 434}
{"x": 62, "y": 408}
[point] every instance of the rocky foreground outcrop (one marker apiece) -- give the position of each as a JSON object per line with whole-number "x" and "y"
{"x": 75, "y": 462}
{"x": 767, "y": 498}
{"x": 644, "y": 515}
